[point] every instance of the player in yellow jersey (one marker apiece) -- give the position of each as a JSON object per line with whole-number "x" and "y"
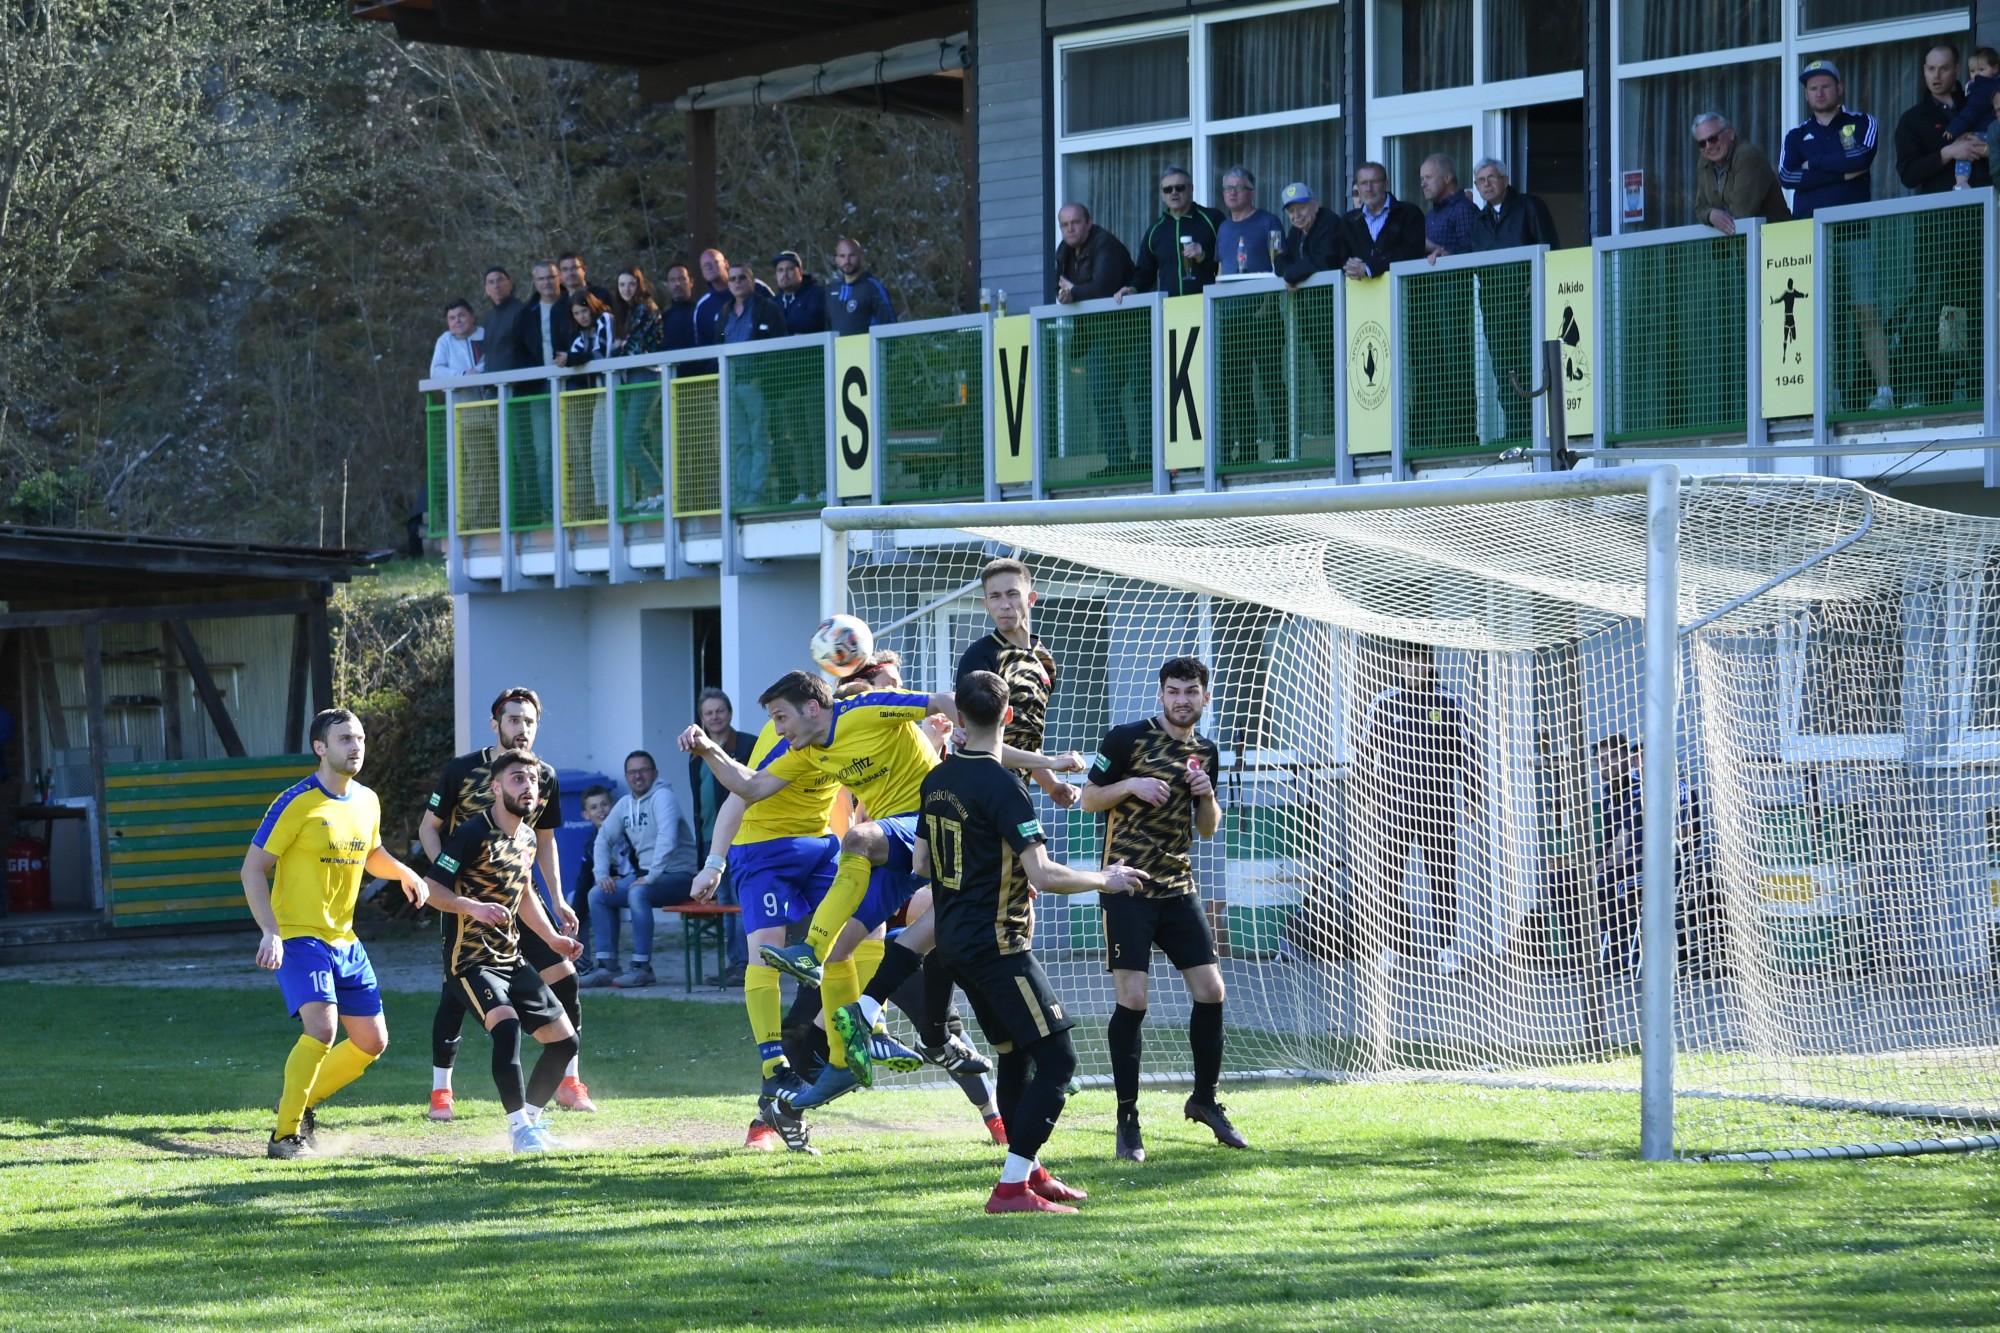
{"x": 868, "y": 744}
{"x": 320, "y": 836}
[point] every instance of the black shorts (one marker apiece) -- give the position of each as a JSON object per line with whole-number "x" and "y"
{"x": 484, "y": 989}
{"x": 1010, "y": 996}
{"x": 538, "y": 953}
{"x": 1134, "y": 924}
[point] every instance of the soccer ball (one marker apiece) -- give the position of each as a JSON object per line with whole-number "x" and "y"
{"x": 842, "y": 645}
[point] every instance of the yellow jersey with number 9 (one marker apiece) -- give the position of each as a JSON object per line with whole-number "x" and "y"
{"x": 874, "y": 748}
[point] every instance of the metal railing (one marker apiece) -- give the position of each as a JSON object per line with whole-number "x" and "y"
{"x": 1749, "y": 350}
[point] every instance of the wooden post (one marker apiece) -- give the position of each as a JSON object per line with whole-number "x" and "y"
{"x": 295, "y": 686}
{"x": 701, "y": 213}
{"x": 322, "y": 649}
{"x": 204, "y": 684}
{"x": 45, "y": 678}
{"x": 170, "y": 695}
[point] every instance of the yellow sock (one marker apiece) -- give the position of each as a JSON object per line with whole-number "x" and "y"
{"x": 867, "y": 958}
{"x": 767, "y": 1019}
{"x": 301, "y": 1069}
{"x": 838, "y": 986}
{"x": 343, "y": 1065}
{"x": 843, "y": 899}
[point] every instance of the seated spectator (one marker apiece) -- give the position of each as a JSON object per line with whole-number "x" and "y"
{"x": 1448, "y": 226}
{"x": 861, "y": 301}
{"x": 596, "y": 809}
{"x": 1735, "y": 179}
{"x": 1091, "y": 263}
{"x": 590, "y": 337}
{"x": 1508, "y": 217}
{"x": 645, "y": 825}
{"x": 718, "y": 716}
{"x": 1249, "y": 237}
{"x": 1177, "y": 254}
{"x": 461, "y": 348}
{"x": 799, "y": 294}
{"x": 636, "y": 328}
{"x": 1315, "y": 241}
{"x": 1383, "y": 230}
{"x": 1927, "y": 159}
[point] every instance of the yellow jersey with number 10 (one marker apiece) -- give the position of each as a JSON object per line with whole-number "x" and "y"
{"x": 322, "y": 842}
{"x": 874, "y": 748}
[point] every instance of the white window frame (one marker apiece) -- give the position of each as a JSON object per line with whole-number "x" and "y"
{"x": 1790, "y": 51}
{"x": 1198, "y": 130}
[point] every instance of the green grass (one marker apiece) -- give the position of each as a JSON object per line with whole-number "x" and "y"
{"x": 404, "y": 577}
{"x": 127, "y": 1201}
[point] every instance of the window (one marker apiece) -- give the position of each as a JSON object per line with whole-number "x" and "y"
{"x": 1818, "y": 14}
{"x": 1651, "y": 31}
{"x": 1524, "y": 41}
{"x": 1422, "y": 45}
{"x": 1655, "y": 137}
{"x": 1259, "y": 88}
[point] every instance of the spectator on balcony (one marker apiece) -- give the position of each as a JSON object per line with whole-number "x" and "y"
{"x": 1927, "y": 156}
{"x": 461, "y": 348}
{"x": 591, "y": 334}
{"x": 1384, "y": 229}
{"x": 1828, "y": 155}
{"x": 800, "y": 296}
{"x": 570, "y": 268}
{"x": 1091, "y": 263}
{"x": 546, "y": 331}
{"x": 1315, "y": 238}
{"x": 1448, "y": 225}
{"x": 1978, "y": 115}
{"x": 592, "y": 331}
{"x": 1734, "y": 180}
{"x": 677, "y": 327}
{"x": 749, "y": 315}
{"x": 1249, "y": 237}
{"x": 636, "y": 327}
{"x": 861, "y": 301}
{"x": 501, "y": 328}
{"x": 715, "y": 274}
{"x": 1826, "y": 163}
{"x": 1507, "y": 217}
{"x": 1177, "y": 254}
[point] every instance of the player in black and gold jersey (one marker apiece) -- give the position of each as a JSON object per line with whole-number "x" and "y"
{"x": 482, "y": 878}
{"x": 464, "y": 789}
{"x": 1154, "y": 781}
{"x": 984, "y": 850}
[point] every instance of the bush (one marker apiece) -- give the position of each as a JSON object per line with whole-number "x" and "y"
{"x": 392, "y": 664}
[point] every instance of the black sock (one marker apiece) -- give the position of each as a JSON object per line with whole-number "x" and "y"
{"x": 445, "y": 1025}
{"x": 506, "y": 1036}
{"x": 898, "y": 965}
{"x": 1011, "y": 1078}
{"x": 1040, "y": 1104}
{"x": 1205, "y": 1041}
{"x": 1125, "y": 1045}
{"x": 937, "y": 999}
{"x": 570, "y": 997}
{"x": 548, "y": 1075}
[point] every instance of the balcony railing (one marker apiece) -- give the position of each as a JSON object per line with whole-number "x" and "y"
{"x": 1768, "y": 345}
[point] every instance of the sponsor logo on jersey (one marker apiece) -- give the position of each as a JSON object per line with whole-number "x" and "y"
{"x": 448, "y": 863}
{"x": 1102, "y": 761}
{"x": 1030, "y": 829}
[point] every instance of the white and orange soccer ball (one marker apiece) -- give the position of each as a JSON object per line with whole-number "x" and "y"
{"x": 842, "y": 645}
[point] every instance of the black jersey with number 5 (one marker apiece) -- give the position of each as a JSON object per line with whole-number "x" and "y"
{"x": 977, "y": 820}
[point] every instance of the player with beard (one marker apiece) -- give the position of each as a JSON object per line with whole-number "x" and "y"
{"x": 482, "y": 878}
{"x": 464, "y": 789}
{"x": 1154, "y": 781}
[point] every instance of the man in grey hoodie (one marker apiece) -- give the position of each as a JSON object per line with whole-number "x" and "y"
{"x": 645, "y": 826}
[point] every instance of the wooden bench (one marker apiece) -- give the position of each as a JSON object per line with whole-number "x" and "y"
{"x": 700, "y": 924}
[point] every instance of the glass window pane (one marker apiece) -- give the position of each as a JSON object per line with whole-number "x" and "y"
{"x": 1649, "y": 30}
{"x": 1655, "y": 135}
{"x": 1422, "y": 44}
{"x": 1121, "y": 186}
{"x": 1523, "y": 40}
{"x": 1133, "y": 83}
{"x": 1308, "y": 152}
{"x": 1280, "y": 62}
{"x": 1815, "y": 14}
{"x": 1882, "y": 80}
{"x": 1406, "y": 154}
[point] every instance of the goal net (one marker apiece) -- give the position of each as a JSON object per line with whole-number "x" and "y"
{"x": 1433, "y": 720}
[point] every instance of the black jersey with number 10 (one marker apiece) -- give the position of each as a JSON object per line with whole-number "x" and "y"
{"x": 976, "y": 821}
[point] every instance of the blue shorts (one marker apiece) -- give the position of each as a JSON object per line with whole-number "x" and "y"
{"x": 894, "y": 882}
{"x": 339, "y": 975}
{"x": 781, "y": 880}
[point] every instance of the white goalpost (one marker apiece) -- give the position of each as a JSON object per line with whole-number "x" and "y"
{"x": 1600, "y": 781}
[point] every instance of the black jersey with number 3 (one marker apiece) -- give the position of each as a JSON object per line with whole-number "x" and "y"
{"x": 1154, "y": 838}
{"x": 976, "y": 820}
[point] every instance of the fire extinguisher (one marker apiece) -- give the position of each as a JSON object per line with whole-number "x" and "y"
{"x": 27, "y": 875}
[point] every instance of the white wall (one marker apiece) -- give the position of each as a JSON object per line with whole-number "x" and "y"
{"x": 767, "y": 618}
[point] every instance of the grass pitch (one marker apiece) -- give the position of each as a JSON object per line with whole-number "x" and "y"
{"x": 134, "y": 1194}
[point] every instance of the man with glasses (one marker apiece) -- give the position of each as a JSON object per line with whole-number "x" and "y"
{"x": 646, "y": 826}
{"x": 1509, "y": 218}
{"x": 1383, "y": 230}
{"x": 570, "y": 268}
{"x": 1178, "y": 253}
{"x": 1735, "y": 179}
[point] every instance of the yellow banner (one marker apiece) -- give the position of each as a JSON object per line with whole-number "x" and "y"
{"x": 1568, "y": 318}
{"x": 1010, "y": 401}
{"x": 1186, "y": 386}
{"x": 853, "y": 417}
{"x": 1785, "y": 301}
{"x": 1370, "y": 423}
